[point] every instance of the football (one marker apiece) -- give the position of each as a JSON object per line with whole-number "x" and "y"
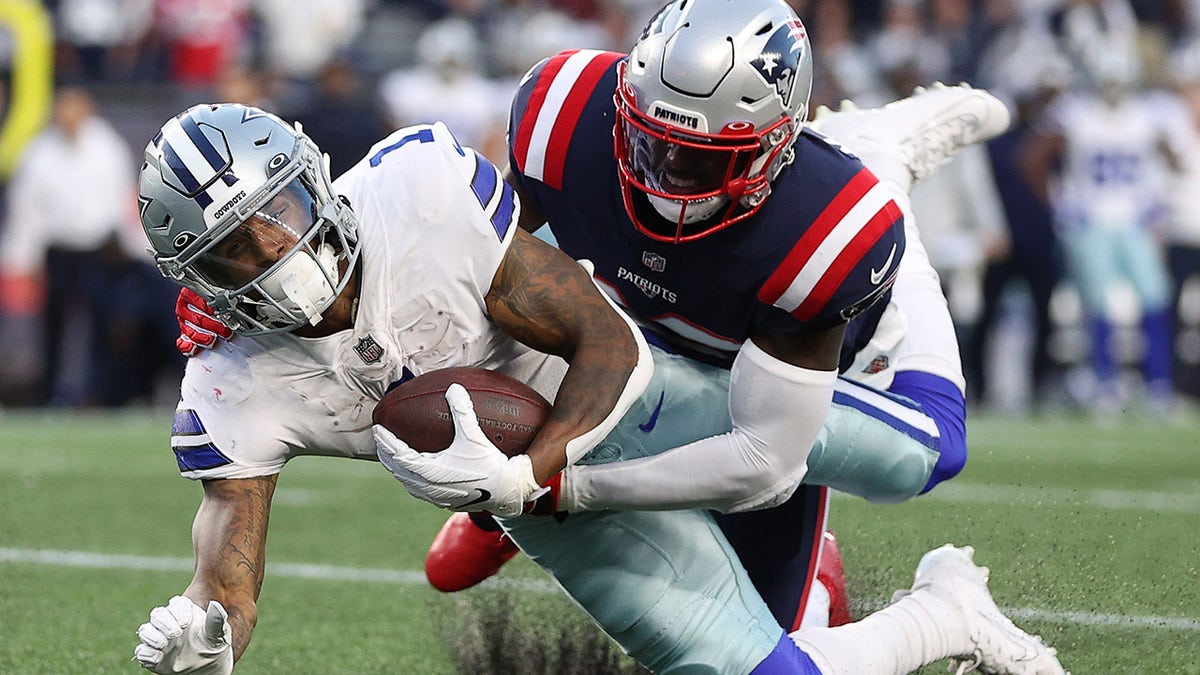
{"x": 510, "y": 412}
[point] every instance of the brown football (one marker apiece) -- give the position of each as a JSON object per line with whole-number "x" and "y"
{"x": 510, "y": 412}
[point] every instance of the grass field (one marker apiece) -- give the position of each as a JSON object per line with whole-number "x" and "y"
{"x": 1092, "y": 534}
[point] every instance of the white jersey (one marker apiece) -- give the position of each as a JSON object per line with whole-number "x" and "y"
{"x": 435, "y": 221}
{"x": 1113, "y": 173}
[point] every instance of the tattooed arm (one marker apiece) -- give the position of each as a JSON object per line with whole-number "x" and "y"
{"x": 229, "y": 536}
{"x": 207, "y": 628}
{"x": 549, "y": 302}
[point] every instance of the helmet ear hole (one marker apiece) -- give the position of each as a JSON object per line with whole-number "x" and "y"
{"x": 276, "y": 164}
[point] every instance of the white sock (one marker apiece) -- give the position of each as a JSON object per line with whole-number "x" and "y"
{"x": 816, "y": 611}
{"x": 914, "y": 631}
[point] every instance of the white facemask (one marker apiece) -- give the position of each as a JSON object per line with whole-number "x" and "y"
{"x": 300, "y": 285}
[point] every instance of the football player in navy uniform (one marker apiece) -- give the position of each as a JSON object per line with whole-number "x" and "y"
{"x": 744, "y": 240}
{"x": 741, "y": 237}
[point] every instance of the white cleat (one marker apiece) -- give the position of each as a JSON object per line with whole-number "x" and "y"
{"x": 1000, "y": 647}
{"x": 929, "y": 127}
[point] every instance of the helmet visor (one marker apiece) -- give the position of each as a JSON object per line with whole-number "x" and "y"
{"x": 671, "y": 164}
{"x": 262, "y": 240}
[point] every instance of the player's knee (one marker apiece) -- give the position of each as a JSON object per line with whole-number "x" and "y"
{"x": 949, "y": 411}
{"x": 944, "y": 403}
{"x": 951, "y": 460}
{"x": 908, "y": 475}
{"x": 867, "y": 456}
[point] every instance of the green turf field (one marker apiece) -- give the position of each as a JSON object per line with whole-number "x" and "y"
{"x": 1092, "y": 534}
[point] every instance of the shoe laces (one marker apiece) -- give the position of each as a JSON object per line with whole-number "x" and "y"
{"x": 930, "y": 149}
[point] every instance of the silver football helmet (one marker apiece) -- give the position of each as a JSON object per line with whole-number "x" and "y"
{"x": 709, "y": 103}
{"x": 238, "y": 206}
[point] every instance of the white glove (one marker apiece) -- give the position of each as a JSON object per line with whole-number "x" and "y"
{"x": 183, "y": 638}
{"x": 470, "y": 475}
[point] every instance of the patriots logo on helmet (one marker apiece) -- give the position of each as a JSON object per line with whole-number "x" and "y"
{"x": 780, "y": 59}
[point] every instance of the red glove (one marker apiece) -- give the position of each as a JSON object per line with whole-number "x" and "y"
{"x": 198, "y": 327}
{"x": 547, "y": 503}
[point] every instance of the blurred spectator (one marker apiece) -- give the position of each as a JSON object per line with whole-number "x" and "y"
{"x": 1182, "y": 234}
{"x": 1032, "y": 253}
{"x": 1090, "y": 31}
{"x": 527, "y": 31}
{"x": 202, "y": 38}
{"x": 448, "y": 85}
{"x": 961, "y": 220}
{"x": 960, "y": 33}
{"x": 1021, "y": 55}
{"x": 102, "y": 39}
{"x": 344, "y": 118}
{"x": 70, "y": 205}
{"x": 1112, "y": 148}
{"x": 905, "y": 42}
{"x": 241, "y": 84}
{"x": 845, "y": 69}
{"x": 300, "y": 37}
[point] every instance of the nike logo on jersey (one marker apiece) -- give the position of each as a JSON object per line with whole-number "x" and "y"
{"x": 484, "y": 495}
{"x": 877, "y": 277}
{"x": 648, "y": 425}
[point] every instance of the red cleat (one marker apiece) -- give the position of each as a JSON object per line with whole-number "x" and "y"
{"x": 464, "y": 554}
{"x": 831, "y": 574}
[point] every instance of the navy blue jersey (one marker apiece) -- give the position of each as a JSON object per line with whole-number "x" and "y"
{"x": 824, "y": 247}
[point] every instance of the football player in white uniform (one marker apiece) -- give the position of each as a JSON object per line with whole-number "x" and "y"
{"x": 1110, "y": 142}
{"x": 239, "y": 207}
{"x": 412, "y": 262}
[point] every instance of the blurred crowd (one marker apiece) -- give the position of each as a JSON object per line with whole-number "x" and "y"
{"x": 1068, "y": 247}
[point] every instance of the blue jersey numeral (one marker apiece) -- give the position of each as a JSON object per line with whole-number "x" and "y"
{"x": 1115, "y": 168}
{"x": 421, "y": 136}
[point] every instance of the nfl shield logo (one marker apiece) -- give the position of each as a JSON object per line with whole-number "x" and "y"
{"x": 877, "y": 365}
{"x": 369, "y": 350}
{"x": 654, "y": 261}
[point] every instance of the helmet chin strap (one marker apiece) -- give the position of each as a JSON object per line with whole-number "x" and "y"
{"x": 301, "y": 284}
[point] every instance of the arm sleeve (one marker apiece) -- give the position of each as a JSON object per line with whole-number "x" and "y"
{"x": 777, "y": 411}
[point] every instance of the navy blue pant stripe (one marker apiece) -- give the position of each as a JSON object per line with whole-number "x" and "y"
{"x": 778, "y": 547}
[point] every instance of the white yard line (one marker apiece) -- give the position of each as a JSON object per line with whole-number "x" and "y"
{"x": 290, "y": 570}
{"x": 417, "y": 578}
{"x": 1118, "y": 500}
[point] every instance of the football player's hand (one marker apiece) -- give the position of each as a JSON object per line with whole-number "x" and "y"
{"x": 199, "y": 328}
{"x": 183, "y": 638}
{"x": 470, "y": 475}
